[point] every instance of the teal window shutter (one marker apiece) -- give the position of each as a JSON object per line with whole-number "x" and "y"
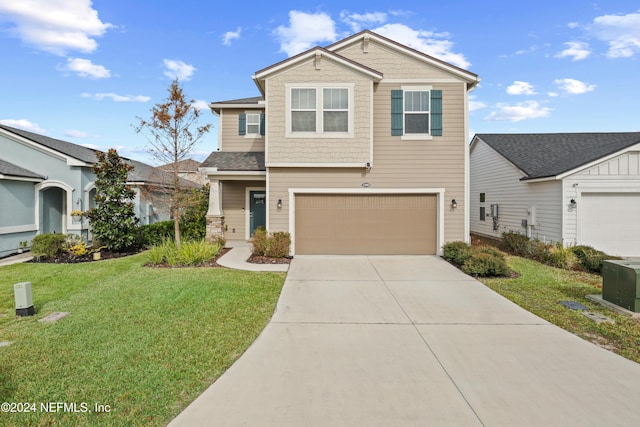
{"x": 262, "y": 117}
{"x": 436, "y": 112}
{"x": 242, "y": 124}
{"x": 396, "y": 113}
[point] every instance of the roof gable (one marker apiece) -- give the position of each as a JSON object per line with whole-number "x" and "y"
{"x": 10, "y": 170}
{"x": 554, "y": 154}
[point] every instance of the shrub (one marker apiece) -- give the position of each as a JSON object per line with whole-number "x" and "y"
{"x": 260, "y": 242}
{"x": 559, "y": 256}
{"x": 155, "y": 234}
{"x": 278, "y": 244}
{"x": 590, "y": 259}
{"x": 456, "y": 252}
{"x": 190, "y": 253}
{"x": 75, "y": 245}
{"x": 486, "y": 263}
{"x": 516, "y": 244}
{"x": 48, "y": 244}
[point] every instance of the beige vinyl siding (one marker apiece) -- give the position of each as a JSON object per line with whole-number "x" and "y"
{"x": 283, "y": 149}
{"x": 493, "y": 175}
{"x": 620, "y": 174}
{"x": 393, "y": 64}
{"x": 230, "y": 139}
{"x": 233, "y": 201}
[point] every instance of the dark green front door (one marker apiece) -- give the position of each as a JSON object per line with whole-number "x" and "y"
{"x": 257, "y": 210}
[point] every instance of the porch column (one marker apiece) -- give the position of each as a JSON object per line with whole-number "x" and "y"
{"x": 215, "y": 219}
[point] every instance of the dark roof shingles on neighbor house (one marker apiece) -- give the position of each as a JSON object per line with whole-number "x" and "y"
{"x": 547, "y": 155}
{"x": 9, "y": 169}
{"x": 235, "y": 161}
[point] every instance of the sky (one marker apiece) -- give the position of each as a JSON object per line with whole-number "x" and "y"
{"x": 86, "y": 71}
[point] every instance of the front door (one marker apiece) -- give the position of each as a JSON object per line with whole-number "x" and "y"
{"x": 257, "y": 210}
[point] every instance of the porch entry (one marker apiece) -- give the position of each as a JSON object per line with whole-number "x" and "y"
{"x": 257, "y": 210}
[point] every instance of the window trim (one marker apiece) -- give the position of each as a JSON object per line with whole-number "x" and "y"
{"x": 416, "y": 136}
{"x": 320, "y": 133}
{"x": 248, "y": 113}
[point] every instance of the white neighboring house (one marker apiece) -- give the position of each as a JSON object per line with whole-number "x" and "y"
{"x": 575, "y": 188}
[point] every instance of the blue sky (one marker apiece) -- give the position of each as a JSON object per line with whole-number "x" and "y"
{"x": 83, "y": 71}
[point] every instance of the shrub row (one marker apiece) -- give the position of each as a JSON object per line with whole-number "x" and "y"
{"x": 275, "y": 245}
{"x": 476, "y": 261}
{"x": 554, "y": 254}
{"x": 49, "y": 245}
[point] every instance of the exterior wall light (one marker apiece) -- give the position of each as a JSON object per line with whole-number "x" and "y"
{"x": 573, "y": 202}
{"x": 454, "y": 204}
{"x": 279, "y": 204}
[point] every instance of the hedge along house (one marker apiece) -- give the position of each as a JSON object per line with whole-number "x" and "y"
{"x": 42, "y": 180}
{"x": 356, "y": 148}
{"x": 574, "y": 188}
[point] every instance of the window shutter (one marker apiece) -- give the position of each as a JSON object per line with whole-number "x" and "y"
{"x": 396, "y": 113}
{"x": 436, "y": 112}
{"x": 262, "y": 116}
{"x": 242, "y": 124}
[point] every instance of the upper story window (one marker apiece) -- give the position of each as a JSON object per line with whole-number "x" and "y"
{"x": 416, "y": 112}
{"x": 320, "y": 110}
{"x": 303, "y": 110}
{"x": 251, "y": 124}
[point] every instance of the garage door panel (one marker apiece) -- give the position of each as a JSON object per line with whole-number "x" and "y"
{"x": 365, "y": 224}
{"x": 610, "y": 222}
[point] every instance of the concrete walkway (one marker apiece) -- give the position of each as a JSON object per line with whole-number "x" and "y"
{"x": 16, "y": 259}
{"x": 238, "y": 255}
{"x": 411, "y": 341}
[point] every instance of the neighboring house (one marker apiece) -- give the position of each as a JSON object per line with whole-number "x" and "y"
{"x": 356, "y": 148}
{"x": 574, "y": 188}
{"x": 188, "y": 169}
{"x": 43, "y": 179}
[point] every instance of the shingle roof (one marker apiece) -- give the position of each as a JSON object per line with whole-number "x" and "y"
{"x": 10, "y": 169}
{"x": 186, "y": 165}
{"x": 252, "y": 100}
{"x": 546, "y": 155}
{"x": 235, "y": 161}
{"x": 142, "y": 172}
{"x": 72, "y": 150}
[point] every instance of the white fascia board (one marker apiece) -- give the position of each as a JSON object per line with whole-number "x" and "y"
{"x": 315, "y": 165}
{"x": 71, "y": 161}
{"x": 20, "y": 178}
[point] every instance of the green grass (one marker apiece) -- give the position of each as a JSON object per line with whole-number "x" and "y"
{"x": 540, "y": 287}
{"x": 145, "y": 341}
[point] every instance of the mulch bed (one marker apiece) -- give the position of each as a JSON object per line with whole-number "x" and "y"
{"x": 257, "y": 259}
{"x": 68, "y": 258}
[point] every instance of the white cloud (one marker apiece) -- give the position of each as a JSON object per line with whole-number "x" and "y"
{"x": 573, "y": 25}
{"x": 518, "y": 112}
{"x": 23, "y": 124}
{"x": 475, "y": 105}
{"x": 56, "y": 26}
{"x": 116, "y": 98}
{"x": 73, "y": 133}
{"x": 231, "y": 35}
{"x": 85, "y": 68}
{"x": 622, "y": 32}
{"x": 200, "y": 104}
{"x": 434, "y": 44}
{"x": 304, "y": 31}
{"x": 358, "y": 21}
{"x": 178, "y": 69}
{"x": 573, "y": 86}
{"x": 575, "y": 50}
{"x": 521, "y": 88}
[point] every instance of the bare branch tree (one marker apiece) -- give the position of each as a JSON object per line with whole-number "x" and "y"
{"x": 172, "y": 133}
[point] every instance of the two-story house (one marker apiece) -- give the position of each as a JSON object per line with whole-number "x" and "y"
{"x": 356, "y": 148}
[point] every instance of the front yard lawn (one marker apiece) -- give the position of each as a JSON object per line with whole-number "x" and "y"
{"x": 540, "y": 287}
{"x": 143, "y": 342}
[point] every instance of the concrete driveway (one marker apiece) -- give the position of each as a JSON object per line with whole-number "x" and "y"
{"x": 412, "y": 341}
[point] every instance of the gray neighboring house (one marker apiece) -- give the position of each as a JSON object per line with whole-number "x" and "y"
{"x": 574, "y": 188}
{"x": 43, "y": 179}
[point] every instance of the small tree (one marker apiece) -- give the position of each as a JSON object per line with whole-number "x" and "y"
{"x": 171, "y": 135}
{"x": 113, "y": 219}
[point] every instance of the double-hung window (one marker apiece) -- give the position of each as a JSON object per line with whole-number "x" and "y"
{"x": 320, "y": 111}
{"x": 253, "y": 124}
{"x": 416, "y": 111}
{"x": 303, "y": 110}
{"x": 335, "y": 109}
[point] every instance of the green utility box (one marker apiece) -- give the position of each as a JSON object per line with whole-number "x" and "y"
{"x": 24, "y": 299}
{"x": 621, "y": 284}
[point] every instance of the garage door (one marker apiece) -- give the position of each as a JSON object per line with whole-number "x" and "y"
{"x": 341, "y": 224}
{"x": 610, "y": 222}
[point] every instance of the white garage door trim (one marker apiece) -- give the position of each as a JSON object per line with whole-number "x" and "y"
{"x": 439, "y": 192}
{"x": 587, "y": 234}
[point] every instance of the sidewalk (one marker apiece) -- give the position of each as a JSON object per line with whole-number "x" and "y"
{"x": 15, "y": 259}
{"x": 237, "y": 258}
